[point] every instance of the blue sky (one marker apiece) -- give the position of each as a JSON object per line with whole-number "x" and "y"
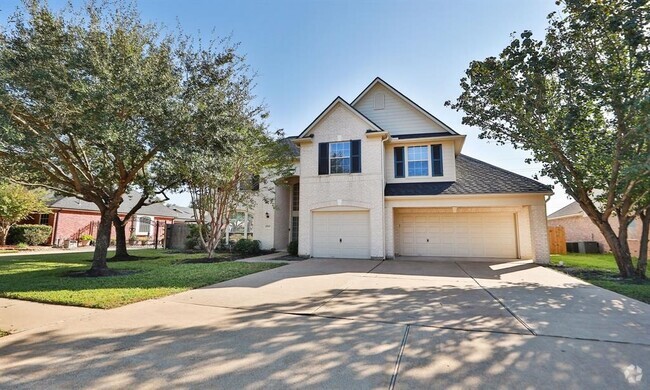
{"x": 308, "y": 52}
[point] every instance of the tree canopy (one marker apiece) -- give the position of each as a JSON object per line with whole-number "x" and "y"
{"x": 92, "y": 101}
{"x": 16, "y": 204}
{"x": 579, "y": 101}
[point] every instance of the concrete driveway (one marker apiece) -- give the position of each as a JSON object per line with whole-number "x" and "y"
{"x": 350, "y": 324}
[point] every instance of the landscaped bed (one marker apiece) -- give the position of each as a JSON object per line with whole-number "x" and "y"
{"x": 157, "y": 273}
{"x": 601, "y": 270}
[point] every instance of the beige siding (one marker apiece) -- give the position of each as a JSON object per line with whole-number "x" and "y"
{"x": 448, "y": 163}
{"x": 397, "y": 116}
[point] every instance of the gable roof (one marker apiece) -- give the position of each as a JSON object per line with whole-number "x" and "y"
{"x": 405, "y": 98}
{"x": 472, "y": 177}
{"x": 570, "y": 210}
{"x": 339, "y": 100}
{"x": 129, "y": 200}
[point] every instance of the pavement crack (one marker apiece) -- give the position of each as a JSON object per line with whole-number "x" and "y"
{"x": 400, "y": 353}
{"x": 512, "y": 313}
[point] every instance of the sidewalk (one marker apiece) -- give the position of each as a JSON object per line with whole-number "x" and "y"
{"x": 18, "y": 316}
{"x": 270, "y": 258}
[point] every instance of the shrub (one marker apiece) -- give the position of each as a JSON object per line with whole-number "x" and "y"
{"x": 292, "y": 248}
{"x": 22, "y": 246}
{"x": 193, "y": 241}
{"x": 86, "y": 237}
{"x": 29, "y": 234}
{"x": 248, "y": 247}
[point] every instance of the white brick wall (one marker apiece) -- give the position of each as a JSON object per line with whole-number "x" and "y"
{"x": 357, "y": 190}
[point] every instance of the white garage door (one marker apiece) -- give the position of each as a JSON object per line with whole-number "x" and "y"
{"x": 457, "y": 234}
{"x": 341, "y": 234}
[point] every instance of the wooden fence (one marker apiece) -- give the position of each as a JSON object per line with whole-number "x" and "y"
{"x": 557, "y": 240}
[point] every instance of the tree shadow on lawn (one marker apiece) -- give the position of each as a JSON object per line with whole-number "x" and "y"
{"x": 193, "y": 346}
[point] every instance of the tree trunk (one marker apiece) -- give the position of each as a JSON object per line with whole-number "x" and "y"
{"x": 620, "y": 249}
{"x": 4, "y": 232}
{"x": 642, "y": 264}
{"x": 120, "y": 238}
{"x": 99, "y": 266}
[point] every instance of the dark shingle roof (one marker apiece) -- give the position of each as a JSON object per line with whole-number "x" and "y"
{"x": 130, "y": 199}
{"x": 422, "y": 135}
{"x": 472, "y": 177}
{"x": 292, "y": 146}
{"x": 572, "y": 208}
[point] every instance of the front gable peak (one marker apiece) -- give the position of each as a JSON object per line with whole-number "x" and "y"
{"x": 394, "y": 111}
{"x": 372, "y": 127}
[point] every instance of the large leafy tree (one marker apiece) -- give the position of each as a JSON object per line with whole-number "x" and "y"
{"x": 579, "y": 101}
{"x": 88, "y": 101}
{"x": 16, "y": 204}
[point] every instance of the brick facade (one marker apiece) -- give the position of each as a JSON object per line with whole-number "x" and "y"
{"x": 580, "y": 228}
{"x": 71, "y": 224}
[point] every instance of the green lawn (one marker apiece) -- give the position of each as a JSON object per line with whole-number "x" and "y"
{"x": 601, "y": 271}
{"x": 44, "y": 278}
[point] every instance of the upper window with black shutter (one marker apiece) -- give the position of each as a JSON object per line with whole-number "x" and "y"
{"x": 436, "y": 160}
{"x": 339, "y": 157}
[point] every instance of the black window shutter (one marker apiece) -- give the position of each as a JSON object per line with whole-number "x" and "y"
{"x": 399, "y": 161}
{"x": 323, "y": 158}
{"x": 355, "y": 155}
{"x": 255, "y": 182}
{"x": 436, "y": 160}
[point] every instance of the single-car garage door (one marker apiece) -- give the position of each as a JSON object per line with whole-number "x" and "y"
{"x": 341, "y": 234}
{"x": 457, "y": 234}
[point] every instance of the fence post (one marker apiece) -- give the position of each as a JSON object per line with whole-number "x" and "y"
{"x": 155, "y": 245}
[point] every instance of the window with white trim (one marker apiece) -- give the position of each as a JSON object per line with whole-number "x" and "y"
{"x": 144, "y": 226}
{"x": 340, "y": 157}
{"x": 417, "y": 160}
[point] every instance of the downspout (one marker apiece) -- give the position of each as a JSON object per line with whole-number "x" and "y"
{"x": 383, "y": 197}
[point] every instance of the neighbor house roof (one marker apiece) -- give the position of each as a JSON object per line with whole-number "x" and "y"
{"x": 339, "y": 100}
{"x": 129, "y": 200}
{"x": 570, "y": 210}
{"x": 472, "y": 177}
{"x": 405, "y": 98}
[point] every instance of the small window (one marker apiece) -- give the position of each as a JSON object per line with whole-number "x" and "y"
{"x": 380, "y": 101}
{"x": 144, "y": 225}
{"x": 418, "y": 160}
{"x": 340, "y": 157}
{"x": 44, "y": 219}
{"x": 294, "y": 228}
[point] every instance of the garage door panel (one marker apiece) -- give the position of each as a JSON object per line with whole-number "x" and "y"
{"x": 458, "y": 234}
{"x": 341, "y": 234}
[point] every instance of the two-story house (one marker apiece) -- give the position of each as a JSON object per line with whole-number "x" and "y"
{"x": 381, "y": 177}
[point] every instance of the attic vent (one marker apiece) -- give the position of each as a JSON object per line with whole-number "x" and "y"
{"x": 379, "y": 101}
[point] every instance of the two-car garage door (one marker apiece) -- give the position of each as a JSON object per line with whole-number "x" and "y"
{"x": 341, "y": 234}
{"x": 488, "y": 234}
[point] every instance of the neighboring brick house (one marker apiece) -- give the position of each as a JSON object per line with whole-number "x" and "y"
{"x": 578, "y": 228}
{"x": 71, "y": 217}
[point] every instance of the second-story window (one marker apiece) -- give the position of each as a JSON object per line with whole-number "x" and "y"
{"x": 340, "y": 157}
{"x": 418, "y": 160}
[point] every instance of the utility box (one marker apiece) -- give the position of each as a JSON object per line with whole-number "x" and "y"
{"x": 583, "y": 247}
{"x": 69, "y": 244}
